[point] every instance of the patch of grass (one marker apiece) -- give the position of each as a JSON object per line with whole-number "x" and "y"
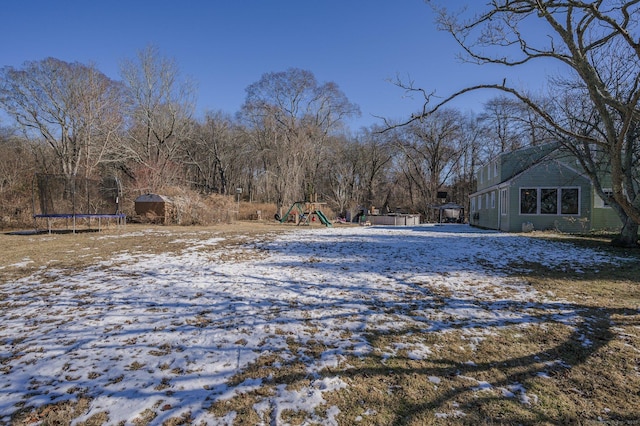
{"x": 59, "y": 414}
{"x": 243, "y": 406}
{"x": 144, "y": 418}
{"x": 135, "y": 365}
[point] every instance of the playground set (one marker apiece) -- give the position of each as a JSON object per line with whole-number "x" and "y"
{"x": 304, "y": 213}
{"x": 76, "y": 199}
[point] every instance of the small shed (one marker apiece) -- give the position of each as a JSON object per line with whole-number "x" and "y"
{"x": 154, "y": 207}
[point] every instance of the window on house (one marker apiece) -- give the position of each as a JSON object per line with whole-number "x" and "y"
{"x": 479, "y": 202}
{"x": 528, "y": 201}
{"x": 493, "y": 199}
{"x": 473, "y": 204}
{"x": 550, "y": 201}
{"x": 495, "y": 169}
{"x": 486, "y": 200}
{"x": 569, "y": 201}
{"x": 602, "y": 203}
{"x": 504, "y": 208}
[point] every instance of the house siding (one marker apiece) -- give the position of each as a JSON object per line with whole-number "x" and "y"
{"x": 552, "y": 175}
{"x": 604, "y": 218}
{"x": 487, "y": 214}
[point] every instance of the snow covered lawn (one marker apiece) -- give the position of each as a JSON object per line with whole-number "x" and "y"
{"x": 149, "y": 338}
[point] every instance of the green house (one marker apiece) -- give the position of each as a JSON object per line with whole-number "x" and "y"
{"x": 538, "y": 188}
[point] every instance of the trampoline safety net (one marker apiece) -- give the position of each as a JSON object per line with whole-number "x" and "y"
{"x": 62, "y": 196}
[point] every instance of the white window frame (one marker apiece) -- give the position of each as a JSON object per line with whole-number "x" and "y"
{"x": 559, "y": 190}
{"x": 493, "y": 199}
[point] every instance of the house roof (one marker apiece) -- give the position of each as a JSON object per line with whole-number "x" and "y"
{"x": 525, "y": 160}
{"x": 516, "y": 162}
{"x": 446, "y": 206}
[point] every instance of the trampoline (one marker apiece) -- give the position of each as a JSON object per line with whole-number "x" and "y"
{"x": 77, "y": 200}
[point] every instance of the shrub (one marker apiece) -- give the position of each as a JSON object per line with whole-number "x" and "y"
{"x": 256, "y": 211}
{"x": 189, "y": 207}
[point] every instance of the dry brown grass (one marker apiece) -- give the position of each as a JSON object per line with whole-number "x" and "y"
{"x": 22, "y": 255}
{"x": 255, "y": 211}
{"x": 600, "y": 380}
{"x": 60, "y": 414}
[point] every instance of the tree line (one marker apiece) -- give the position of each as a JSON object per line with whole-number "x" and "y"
{"x": 288, "y": 143}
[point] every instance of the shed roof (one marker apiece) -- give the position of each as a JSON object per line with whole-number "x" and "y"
{"x": 452, "y": 206}
{"x": 153, "y": 198}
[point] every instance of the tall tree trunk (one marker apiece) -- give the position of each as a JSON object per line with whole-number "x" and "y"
{"x": 628, "y": 234}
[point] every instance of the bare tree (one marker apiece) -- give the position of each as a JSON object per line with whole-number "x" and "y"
{"x": 17, "y": 165}
{"x": 73, "y": 107}
{"x": 583, "y": 37}
{"x": 357, "y": 171}
{"x": 215, "y": 154}
{"x": 473, "y": 138}
{"x": 343, "y": 178}
{"x": 291, "y": 116}
{"x": 509, "y": 125}
{"x": 376, "y": 155}
{"x": 579, "y": 115}
{"x": 432, "y": 148}
{"x": 160, "y": 109}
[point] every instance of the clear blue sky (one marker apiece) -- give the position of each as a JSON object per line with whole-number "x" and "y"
{"x": 227, "y": 45}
